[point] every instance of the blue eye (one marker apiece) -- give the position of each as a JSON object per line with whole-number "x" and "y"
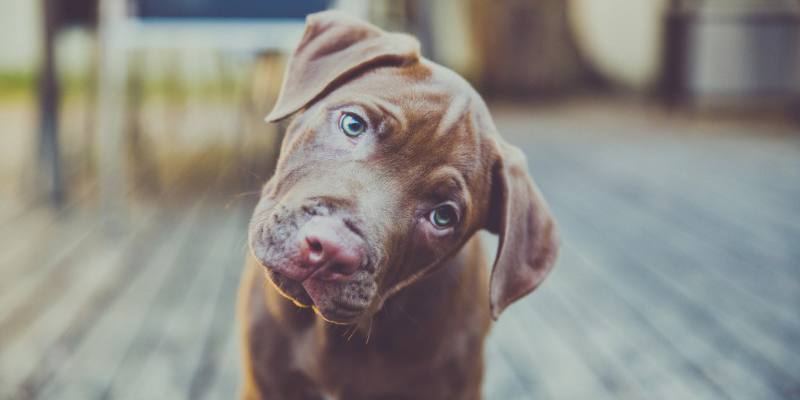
{"x": 352, "y": 125}
{"x": 443, "y": 216}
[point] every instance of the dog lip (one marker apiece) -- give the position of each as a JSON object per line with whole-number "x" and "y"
{"x": 342, "y": 314}
{"x": 325, "y": 275}
{"x": 348, "y": 307}
{"x": 341, "y": 311}
{"x": 281, "y": 285}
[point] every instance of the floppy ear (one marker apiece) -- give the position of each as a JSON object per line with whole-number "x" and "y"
{"x": 334, "y": 47}
{"x": 528, "y": 235}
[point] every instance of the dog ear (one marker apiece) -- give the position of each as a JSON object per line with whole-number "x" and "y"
{"x": 334, "y": 47}
{"x": 528, "y": 236}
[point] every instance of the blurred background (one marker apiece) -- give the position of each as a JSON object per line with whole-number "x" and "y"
{"x": 664, "y": 133}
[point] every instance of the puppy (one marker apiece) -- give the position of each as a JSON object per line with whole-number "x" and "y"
{"x": 365, "y": 277}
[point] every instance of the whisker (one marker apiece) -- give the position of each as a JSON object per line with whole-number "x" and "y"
{"x": 352, "y": 332}
{"x": 252, "y": 173}
{"x": 369, "y": 329}
{"x": 344, "y": 332}
{"x": 238, "y": 196}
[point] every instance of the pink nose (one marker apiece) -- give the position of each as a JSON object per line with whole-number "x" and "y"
{"x": 327, "y": 245}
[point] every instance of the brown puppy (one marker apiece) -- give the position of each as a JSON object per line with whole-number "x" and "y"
{"x": 365, "y": 278}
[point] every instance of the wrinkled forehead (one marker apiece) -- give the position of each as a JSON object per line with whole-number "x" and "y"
{"x": 420, "y": 93}
{"x": 424, "y": 115}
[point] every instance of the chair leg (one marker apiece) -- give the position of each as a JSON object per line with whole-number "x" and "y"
{"x": 49, "y": 171}
{"x": 112, "y": 70}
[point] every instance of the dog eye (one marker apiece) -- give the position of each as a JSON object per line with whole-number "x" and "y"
{"x": 443, "y": 216}
{"x": 352, "y": 125}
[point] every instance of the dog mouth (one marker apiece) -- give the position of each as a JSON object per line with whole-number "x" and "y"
{"x": 341, "y": 313}
{"x": 334, "y": 302}
{"x": 317, "y": 259}
{"x": 288, "y": 288}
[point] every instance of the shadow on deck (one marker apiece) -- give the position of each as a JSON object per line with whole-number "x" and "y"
{"x": 678, "y": 279}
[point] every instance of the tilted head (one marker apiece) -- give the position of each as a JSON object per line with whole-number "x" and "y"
{"x": 390, "y": 164}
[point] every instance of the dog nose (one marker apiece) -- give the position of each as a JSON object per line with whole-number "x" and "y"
{"x": 328, "y": 245}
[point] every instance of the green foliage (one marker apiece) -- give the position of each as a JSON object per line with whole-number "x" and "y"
{"x": 15, "y": 85}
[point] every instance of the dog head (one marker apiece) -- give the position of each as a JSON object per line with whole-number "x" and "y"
{"x": 390, "y": 164}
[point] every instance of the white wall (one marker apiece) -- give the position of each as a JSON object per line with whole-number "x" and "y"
{"x": 19, "y": 34}
{"x": 621, "y": 38}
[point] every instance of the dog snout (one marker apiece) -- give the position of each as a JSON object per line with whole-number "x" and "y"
{"x": 329, "y": 249}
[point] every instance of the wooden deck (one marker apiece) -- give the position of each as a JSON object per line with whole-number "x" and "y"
{"x": 679, "y": 277}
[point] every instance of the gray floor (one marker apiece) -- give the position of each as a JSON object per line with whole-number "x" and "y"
{"x": 679, "y": 276}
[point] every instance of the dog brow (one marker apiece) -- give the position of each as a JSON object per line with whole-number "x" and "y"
{"x": 383, "y": 108}
{"x": 453, "y": 179}
{"x": 456, "y": 112}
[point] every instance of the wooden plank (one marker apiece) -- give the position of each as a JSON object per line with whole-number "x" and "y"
{"x": 754, "y": 164}
{"x": 23, "y": 301}
{"x": 177, "y": 347}
{"x": 543, "y": 359}
{"x": 590, "y": 343}
{"x": 90, "y": 368}
{"x": 643, "y": 352}
{"x": 500, "y": 379}
{"x": 44, "y": 323}
{"x": 780, "y": 322}
{"x": 223, "y": 329}
{"x": 224, "y": 383}
{"x": 15, "y": 238}
{"x": 699, "y": 254}
{"x": 727, "y": 361}
{"x": 728, "y": 198}
{"x": 12, "y": 209}
{"x": 99, "y": 382}
{"x": 20, "y": 212}
{"x": 616, "y": 216}
{"x": 526, "y": 357}
{"x": 169, "y": 297}
{"x": 681, "y": 177}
